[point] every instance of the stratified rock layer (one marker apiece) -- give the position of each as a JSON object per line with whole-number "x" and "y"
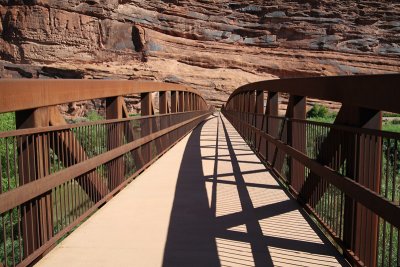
{"x": 214, "y": 46}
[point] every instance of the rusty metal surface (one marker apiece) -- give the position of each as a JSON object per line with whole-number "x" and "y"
{"x": 362, "y": 194}
{"x": 360, "y": 90}
{"x": 24, "y": 193}
{"x": 29, "y": 94}
{"x": 54, "y": 174}
{"x": 346, "y": 174}
{"x": 62, "y": 183}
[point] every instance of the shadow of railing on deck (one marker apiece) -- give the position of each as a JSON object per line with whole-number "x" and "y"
{"x": 202, "y": 234}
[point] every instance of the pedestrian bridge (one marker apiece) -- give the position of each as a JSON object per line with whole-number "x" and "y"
{"x": 186, "y": 185}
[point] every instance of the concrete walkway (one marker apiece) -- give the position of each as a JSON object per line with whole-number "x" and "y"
{"x": 207, "y": 202}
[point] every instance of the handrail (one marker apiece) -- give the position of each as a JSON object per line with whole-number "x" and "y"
{"x": 345, "y": 174}
{"x": 28, "y": 94}
{"x": 357, "y": 90}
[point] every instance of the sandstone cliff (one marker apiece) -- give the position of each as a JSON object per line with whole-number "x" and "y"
{"x": 212, "y": 45}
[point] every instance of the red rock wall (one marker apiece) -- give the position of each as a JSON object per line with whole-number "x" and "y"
{"x": 215, "y": 46}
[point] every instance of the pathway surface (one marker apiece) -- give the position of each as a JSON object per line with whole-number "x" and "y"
{"x": 207, "y": 202}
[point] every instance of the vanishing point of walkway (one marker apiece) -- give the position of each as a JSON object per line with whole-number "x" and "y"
{"x": 209, "y": 201}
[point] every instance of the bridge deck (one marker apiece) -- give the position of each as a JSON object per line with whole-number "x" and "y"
{"x": 207, "y": 202}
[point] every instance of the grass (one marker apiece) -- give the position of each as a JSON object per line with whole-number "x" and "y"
{"x": 320, "y": 113}
{"x": 388, "y": 114}
{"x": 322, "y": 119}
{"x": 391, "y": 126}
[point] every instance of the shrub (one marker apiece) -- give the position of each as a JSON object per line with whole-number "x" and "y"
{"x": 94, "y": 116}
{"x": 7, "y": 121}
{"x": 318, "y": 111}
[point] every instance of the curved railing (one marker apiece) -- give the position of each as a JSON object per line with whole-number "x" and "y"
{"x": 346, "y": 174}
{"x": 54, "y": 174}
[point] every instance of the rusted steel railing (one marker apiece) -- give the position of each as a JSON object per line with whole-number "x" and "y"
{"x": 346, "y": 174}
{"x": 54, "y": 174}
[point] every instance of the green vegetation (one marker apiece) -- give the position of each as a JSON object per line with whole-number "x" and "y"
{"x": 389, "y": 186}
{"x": 94, "y": 116}
{"x": 391, "y": 126}
{"x": 90, "y": 116}
{"x": 7, "y": 121}
{"x": 388, "y": 114}
{"x": 321, "y": 113}
{"x": 9, "y": 220}
{"x": 69, "y": 200}
{"x": 318, "y": 111}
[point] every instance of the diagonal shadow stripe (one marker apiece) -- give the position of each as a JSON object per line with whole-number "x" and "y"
{"x": 265, "y": 186}
{"x": 239, "y": 161}
{"x": 253, "y": 226}
{"x": 220, "y": 156}
{"x": 284, "y": 243}
{"x": 231, "y": 174}
{"x": 267, "y": 211}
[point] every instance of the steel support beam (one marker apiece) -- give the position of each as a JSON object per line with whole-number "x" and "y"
{"x": 272, "y": 123}
{"x": 33, "y": 162}
{"x": 297, "y": 139}
{"x": 259, "y": 120}
{"x": 174, "y": 101}
{"x": 115, "y": 136}
{"x": 181, "y": 107}
{"x": 146, "y": 125}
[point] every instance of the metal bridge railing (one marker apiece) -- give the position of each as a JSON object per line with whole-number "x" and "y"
{"x": 345, "y": 174}
{"x": 54, "y": 176}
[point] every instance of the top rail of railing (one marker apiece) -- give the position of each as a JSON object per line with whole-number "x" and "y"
{"x": 29, "y": 94}
{"x": 361, "y": 90}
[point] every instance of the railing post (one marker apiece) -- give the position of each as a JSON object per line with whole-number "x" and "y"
{"x": 115, "y": 137}
{"x": 259, "y": 121}
{"x": 242, "y": 112}
{"x": 146, "y": 129}
{"x": 174, "y": 101}
{"x": 189, "y": 102}
{"x": 33, "y": 164}
{"x": 114, "y": 107}
{"x": 181, "y": 107}
{"x": 192, "y": 103}
{"x": 187, "y": 99}
{"x": 163, "y": 108}
{"x": 163, "y": 104}
{"x": 297, "y": 138}
{"x": 252, "y": 116}
{"x": 246, "y": 113}
{"x": 272, "y": 123}
{"x": 360, "y": 232}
